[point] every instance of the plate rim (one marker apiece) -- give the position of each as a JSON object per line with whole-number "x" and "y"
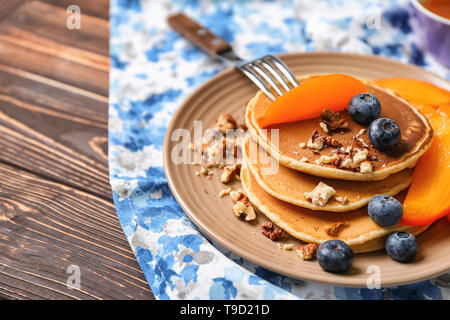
{"x": 210, "y": 233}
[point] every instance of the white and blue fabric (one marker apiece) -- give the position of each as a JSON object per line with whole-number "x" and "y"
{"x": 153, "y": 70}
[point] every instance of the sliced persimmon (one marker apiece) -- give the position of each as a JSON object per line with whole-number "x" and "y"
{"x": 428, "y": 111}
{"x": 444, "y": 111}
{"x": 332, "y": 91}
{"x": 416, "y": 91}
{"x": 428, "y": 197}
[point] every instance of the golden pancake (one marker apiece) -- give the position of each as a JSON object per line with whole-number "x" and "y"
{"x": 290, "y": 185}
{"x": 416, "y": 138}
{"x": 359, "y": 231}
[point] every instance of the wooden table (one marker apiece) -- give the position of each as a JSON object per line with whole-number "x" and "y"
{"x": 56, "y": 206}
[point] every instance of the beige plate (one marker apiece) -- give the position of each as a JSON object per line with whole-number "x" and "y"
{"x": 229, "y": 92}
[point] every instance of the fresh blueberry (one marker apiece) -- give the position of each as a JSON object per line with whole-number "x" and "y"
{"x": 384, "y": 134}
{"x": 401, "y": 246}
{"x": 335, "y": 256}
{"x": 364, "y": 108}
{"x": 385, "y": 210}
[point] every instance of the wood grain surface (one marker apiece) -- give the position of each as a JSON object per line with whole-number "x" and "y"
{"x": 56, "y": 205}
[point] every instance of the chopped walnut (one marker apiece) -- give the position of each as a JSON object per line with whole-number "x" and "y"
{"x": 268, "y": 229}
{"x": 359, "y": 157}
{"x": 330, "y": 141}
{"x": 324, "y": 127}
{"x": 360, "y": 133}
{"x": 342, "y": 199}
{"x": 334, "y": 121}
{"x": 360, "y": 142}
{"x": 344, "y": 161}
{"x": 333, "y": 229}
{"x": 226, "y": 122}
{"x": 229, "y": 172}
{"x": 320, "y": 195}
{"x": 244, "y": 209}
{"x": 288, "y": 246}
{"x": 238, "y": 196}
{"x": 328, "y": 159}
{"x": 204, "y": 171}
{"x": 365, "y": 167}
{"x": 307, "y": 251}
{"x": 316, "y": 142}
{"x": 225, "y": 192}
{"x": 214, "y": 153}
{"x": 302, "y": 145}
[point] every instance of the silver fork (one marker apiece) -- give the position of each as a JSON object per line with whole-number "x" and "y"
{"x": 268, "y": 73}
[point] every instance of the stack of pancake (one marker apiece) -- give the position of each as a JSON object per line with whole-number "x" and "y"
{"x": 276, "y": 173}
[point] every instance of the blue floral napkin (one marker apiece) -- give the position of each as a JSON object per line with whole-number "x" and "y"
{"x": 153, "y": 70}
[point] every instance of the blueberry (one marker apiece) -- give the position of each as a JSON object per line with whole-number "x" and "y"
{"x": 385, "y": 210}
{"x": 364, "y": 108}
{"x": 384, "y": 134}
{"x": 335, "y": 256}
{"x": 401, "y": 246}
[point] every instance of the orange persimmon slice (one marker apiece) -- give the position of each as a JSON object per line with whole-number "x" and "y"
{"x": 428, "y": 197}
{"x": 444, "y": 111}
{"x": 307, "y": 101}
{"x": 416, "y": 91}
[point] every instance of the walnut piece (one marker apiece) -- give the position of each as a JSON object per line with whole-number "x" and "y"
{"x": 365, "y": 167}
{"x": 332, "y": 142}
{"x": 328, "y": 159}
{"x": 238, "y": 196}
{"x": 214, "y": 153}
{"x": 342, "y": 200}
{"x": 268, "y": 229}
{"x": 344, "y": 161}
{"x": 244, "y": 209}
{"x": 307, "y": 251}
{"x": 225, "y": 192}
{"x": 360, "y": 133}
{"x": 333, "y": 121}
{"x": 334, "y": 228}
{"x": 316, "y": 142}
{"x": 323, "y": 126}
{"x": 226, "y": 122}
{"x": 359, "y": 157}
{"x": 320, "y": 195}
{"x": 229, "y": 172}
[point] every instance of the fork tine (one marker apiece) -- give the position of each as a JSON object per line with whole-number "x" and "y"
{"x": 257, "y": 80}
{"x": 266, "y": 76}
{"x": 275, "y": 73}
{"x": 284, "y": 69}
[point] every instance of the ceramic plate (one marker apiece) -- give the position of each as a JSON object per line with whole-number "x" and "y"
{"x": 229, "y": 92}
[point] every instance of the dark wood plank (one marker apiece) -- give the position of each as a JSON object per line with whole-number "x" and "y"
{"x": 65, "y": 139}
{"x": 63, "y": 85}
{"x": 47, "y": 226}
{"x": 35, "y": 38}
{"x": 55, "y": 197}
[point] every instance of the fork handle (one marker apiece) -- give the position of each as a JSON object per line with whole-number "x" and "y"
{"x": 198, "y": 35}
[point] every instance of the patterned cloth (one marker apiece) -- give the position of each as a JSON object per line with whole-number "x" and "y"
{"x": 153, "y": 70}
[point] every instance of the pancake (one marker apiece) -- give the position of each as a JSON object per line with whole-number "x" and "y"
{"x": 416, "y": 138}
{"x": 290, "y": 185}
{"x": 359, "y": 232}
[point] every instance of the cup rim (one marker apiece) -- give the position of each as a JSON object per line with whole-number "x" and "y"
{"x": 419, "y": 6}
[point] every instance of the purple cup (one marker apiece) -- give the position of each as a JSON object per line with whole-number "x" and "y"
{"x": 433, "y": 32}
